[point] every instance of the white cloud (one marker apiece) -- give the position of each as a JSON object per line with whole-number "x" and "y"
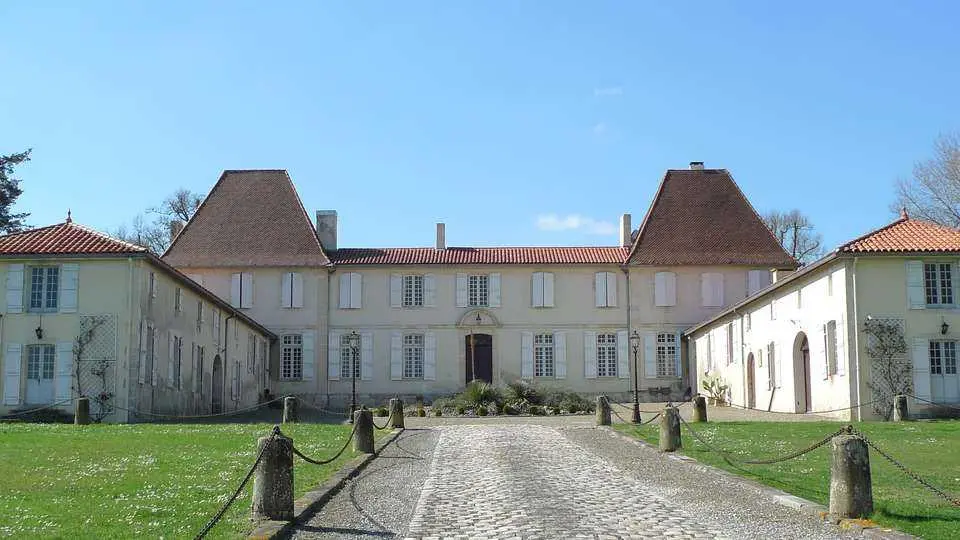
{"x": 575, "y": 222}
{"x": 608, "y": 91}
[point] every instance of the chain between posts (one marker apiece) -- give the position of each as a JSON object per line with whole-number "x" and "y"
{"x": 38, "y": 409}
{"x": 945, "y": 405}
{"x": 331, "y": 460}
{"x": 741, "y": 407}
{"x": 729, "y": 458}
{"x": 381, "y": 428}
{"x": 189, "y": 416}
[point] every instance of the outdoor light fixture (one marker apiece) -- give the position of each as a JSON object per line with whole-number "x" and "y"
{"x": 353, "y": 339}
{"x": 39, "y": 332}
{"x": 635, "y": 343}
{"x": 944, "y": 328}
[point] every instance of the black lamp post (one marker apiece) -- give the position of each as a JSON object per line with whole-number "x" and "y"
{"x": 354, "y": 341}
{"x": 635, "y": 343}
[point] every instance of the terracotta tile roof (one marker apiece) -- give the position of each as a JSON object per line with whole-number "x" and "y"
{"x": 467, "y": 255}
{"x": 67, "y": 238}
{"x": 250, "y": 218}
{"x": 700, "y": 217}
{"x": 906, "y": 235}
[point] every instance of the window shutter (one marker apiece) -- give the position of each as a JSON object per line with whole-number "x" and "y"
{"x": 916, "y": 294}
{"x": 679, "y": 356}
{"x": 623, "y": 354}
{"x": 333, "y": 356}
{"x": 462, "y": 299}
{"x": 536, "y": 289}
{"x": 611, "y": 289}
{"x": 548, "y": 289}
{"x": 706, "y": 290}
{"x": 286, "y": 290}
{"x": 590, "y": 355}
{"x": 297, "y": 291}
{"x": 722, "y": 345}
{"x": 600, "y": 289}
{"x": 560, "y": 354}
{"x": 356, "y": 290}
{"x": 196, "y": 367}
{"x": 494, "y": 282}
{"x": 671, "y": 289}
{"x": 779, "y": 370}
{"x": 921, "y": 368}
{"x": 737, "y": 343}
{"x": 650, "y": 354}
{"x": 154, "y": 376}
{"x": 142, "y": 376}
{"x": 429, "y": 356}
{"x": 396, "y": 290}
{"x": 822, "y": 356}
{"x": 11, "y": 371}
{"x": 718, "y": 289}
{"x": 309, "y": 357}
{"x": 660, "y": 289}
{"x": 246, "y": 298}
{"x": 171, "y": 354}
{"x": 15, "y": 292}
{"x": 235, "y": 290}
{"x": 345, "y": 291}
{"x": 771, "y": 375}
{"x": 69, "y": 276}
{"x": 366, "y": 356}
{"x": 526, "y": 355}
{"x": 396, "y": 356}
{"x": 429, "y": 290}
{"x": 838, "y": 341}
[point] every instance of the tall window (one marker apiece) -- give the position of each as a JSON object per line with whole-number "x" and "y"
{"x": 831, "y": 347}
{"x": 40, "y": 361}
{"x": 413, "y": 356}
{"x": 729, "y": 343}
{"x": 199, "y": 316}
{"x": 543, "y": 355}
{"x": 178, "y": 301}
{"x": 938, "y": 283}
{"x": 771, "y": 364}
{"x": 667, "y": 355}
{"x": 44, "y": 288}
{"x": 251, "y": 353}
{"x": 291, "y": 357}
{"x": 943, "y": 357}
{"x": 478, "y": 289}
{"x": 151, "y": 331}
{"x": 347, "y": 360}
{"x": 413, "y": 291}
{"x": 177, "y": 358}
{"x": 606, "y": 355}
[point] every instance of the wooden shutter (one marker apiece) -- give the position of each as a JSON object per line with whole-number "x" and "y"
{"x": 623, "y": 354}
{"x": 494, "y": 282}
{"x": 718, "y": 289}
{"x": 548, "y": 289}
{"x": 526, "y": 355}
{"x": 590, "y": 355}
{"x": 396, "y": 290}
{"x": 366, "y": 356}
{"x": 650, "y": 354}
{"x": 536, "y": 289}
{"x": 737, "y": 343}
{"x": 154, "y": 375}
{"x": 246, "y": 296}
{"x": 779, "y": 363}
{"x": 429, "y": 356}
{"x": 600, "y": 289}
{"x": 333, "y": 356}
{"x": 916, "y": 293}
{"x": 171, "y": 355}
{"x": 69, "y": 277}
{"x": 235, "y": 290}
{"x": 838, "y": 341}
{"x": 345, "y": 290}
{"x": 142, "y": 375}
{"x": 822, "y": 349}
{"x": 462, "y": 295}
{"x": 12, "y": 362}
{"x": 15, "y": 291}
{"x": 560, "y": 354}
{"x": 309, "y": 356}
{"x": 297, "y": 290}
{"x": 286, "y": 290}
{"x": 660, "y": 289}
{"x": 396, "y": 356}
{"x": 611, "y": 278}
{"x": 679, "y": 356}
{"x": 429, "y": 290}
{"x": 356, "y": 290}
{"x": 771, "y": 367}
{"x": 921, "y": 368}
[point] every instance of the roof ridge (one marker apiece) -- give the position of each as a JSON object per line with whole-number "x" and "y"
{"x": 306, "y": 216}
{"x": 104, "y": 235}
{"x": 646, "y": 217}
{"x": 847, "y": 245}
{"x": 485, "y": 247}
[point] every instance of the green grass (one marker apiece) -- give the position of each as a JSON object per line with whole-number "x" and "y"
{"x": 141, "y": 480}
{"x": 932, "y": 449}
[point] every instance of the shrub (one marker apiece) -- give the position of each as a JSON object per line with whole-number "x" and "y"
{"x": 572, "y": 408}
{"x": 461, "y": 410}
{"x": 521, "y": 391}
{"x": 480, "y": 393}
{"x": 536, "y": 410}
{"x": 493, "y": 408}
{"x": 381, "y": 412}
{"x": 420, "y": 412}
{"x": 437, "y": 412}
{"x": 510, "y": 410}
{"x": 481, "y": 411}
{"x": 555, "y": 410}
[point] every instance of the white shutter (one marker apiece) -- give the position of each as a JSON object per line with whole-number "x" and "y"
{"x": 779, "y": 359}
{"x": 429, "y": 356}
{"x": 671, "y": 283}
{"x": 396, "y": 290}
{"x": 711, "y": 289}
{"x": 838, "y": 341}
{"x": 142, "y": 376}
{"x": 771, "y": 365}
{"x": 718, "y": 289}
{"x": 623, "y": 354}
{"x": 155, "y": 376}
{"x": 429, "y": 290}
{"x": 600, "y": 289}
{"x": 536, "y": 289}
{"x": 526, "y": 355}
{"x": 590, "y": 354}
{"x": 15, "y": 291}
{"x": 345, "y": 291}
{"x": 494, "y": 282}
{"x": 396, "y": 356}
{"x": 171, "y": 348}
{"x": 679, "y": 357}
{"x": 921, "y": 368}
{"x": 706, "y": 290}
{"x": 916, "y": 294}
{"x": 333, "y": 356}
{"x": 722, "y": 345}
{"x": 611, "y": 289}
{"x": 650, "y": 354}
{"x": 548, "y": 289}
{"x": 660, "y": 289}
{"x": 462, "y": 296}
{"x": 737, "y": 343}
{"x": 246, "y": 298}
{"x": 822, "y": 355}
{"x": 69, "y": 276}
{"x": 286, "y": 290}
{"x": 11, "y": 372}
{"x": 356, "y": 290}
{"x": 297, "y": 291}
{"x": 366, "y": 356}
{"x": 235, "y": 290}
{"x": 309, "y": 356}
{"x": 560, "y": 354}
{"x": 756, "y": 280}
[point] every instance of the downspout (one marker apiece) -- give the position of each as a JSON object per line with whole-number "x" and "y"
{"x": 635, "y": 380}
{"x": 223, "y": 361}
{"x": 743, "y": 358}
{"x": 856, "y": 341}
{"x": 326, "y": 379}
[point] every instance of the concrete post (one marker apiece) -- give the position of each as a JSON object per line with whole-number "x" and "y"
{"x": 900, "y": 413}
{"x": 81, "y": 416}
{"x": 363, "y": 432}
{"x": 291, "y": 411}
{"x": 670, "y": 430}
{"x": 273, "y": 479}
{"x": 396, "y": 413}
{"x": 603, "y": 411}
{"x": 851, "y": 490}
{"x": 699, "y": 409}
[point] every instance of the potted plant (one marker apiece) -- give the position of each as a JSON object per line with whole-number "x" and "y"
{"x": 716, "y": 389}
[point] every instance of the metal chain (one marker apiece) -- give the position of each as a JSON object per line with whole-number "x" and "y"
{"x": 45, "y": 407}
{"x": 326, "y": 461}
{"x": 945, "y": 405}
{"x": 622, "y": 419}
{"x": 380, "y": 428}
{"x": 729, "y": 458}
{"x": 321, "y": 409}
{"x": 741, "y": 407}
{"x": 654, "y": 417}
{"x": 188, "y": 416}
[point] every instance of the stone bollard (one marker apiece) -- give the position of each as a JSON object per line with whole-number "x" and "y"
{"x": 363, "y": 431}
{"x": 396, "y": 413}
{"x": 900, "y": 413}
{"x": 81, "y": 416}
{"x": 273, "y": 479}
{"x": 699, "y": 409}
{"x": 670, "y": 430}
{"x": 603, "y": 411}
{"x": 851, "y": 490}
{"x": 291, "y": 410}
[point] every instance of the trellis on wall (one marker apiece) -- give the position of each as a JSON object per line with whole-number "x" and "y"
{"x": 95, "y": 360}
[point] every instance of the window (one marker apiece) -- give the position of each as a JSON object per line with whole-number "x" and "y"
{"x": 347, "y": 358}
{"x": 177, "y": 359}
{"x": 263, "y": 362}
{"x": 241, "y": 290}
{"x": 178, "y": 301}
{"x": 413, "y": 356}
{"x": 771, "y": 365}
{"x": 40, "y": 362}
{"x": 197, "y": 352}
{"x": 199, "y": 316}
{"x": 605, "y": 287}
{"x": 773, "y": 309}
{"x": 664, "y": 289}
{"x": 831, "y": 347}
{"x": 799, "y": 298}
{"x": 217, "y": 316}
{"x": 746, "y": 322}
{"x": 251, "y": 353}
{"x": 153, "y": 285}
{"x": 351, "y": 290}
{"x": 541, "y": 289}
{"x": 830, "y": 284}
{"x": 756, "y": 280}
{"x": 412, "y": 291}
{"x": 938, "y": 283}
{"x": 543, "y": 355}
{"x": 667, "y": 355}
{"x": 478, "y": 291}
{"x": 291, "y": 357}
{"x": 943, "y": 357}
{"x": 729, "y": 343}
{"x": 44, "y": 288}
{"x": 151, "y": 341}
{"x": 606, "y": 355}
{"x": 711, "y": 289}
{"x": 291, "y": 294}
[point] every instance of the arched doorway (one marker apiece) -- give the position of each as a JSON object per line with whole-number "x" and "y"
{"x": 479, "y": 348}
{"x": 751, "y": 383}
{"x": 801, "y": 373}
{"x": 217, "y": 390}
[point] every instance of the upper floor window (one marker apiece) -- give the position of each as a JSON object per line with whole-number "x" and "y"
{"x": 199, "y": 316}
{"x": 153, "y": 285}
{"x": 605, "y": 289}
{"x": 667, "y": 355}
{"x": 606, "y": 355}
{"x": 478, "y": 290}
{"x": 664, "y": 289}
{"x": 412, "y": 291}
{"x": 938, "y": 283}
{"x": 351, "y": 290}
{"x": 291, "y": 357}
{"x": 730, "y": 346}
{"x": 756, "y": 280}
{"x": 541, "y": 289}
{"x": 241, "y": 290}
{"x": 543, "y": 355}
{"x": 711, "y": 289}
{"x": 291, "y": 290}
{"x": 44, "y": 288}
{"x": 178, "y": 301}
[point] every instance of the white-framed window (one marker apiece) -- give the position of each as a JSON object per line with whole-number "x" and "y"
{"x": 830, "y": 335}
{"x": 413, "y": 356}
{"x": 291, "y": 357}
{"x": 44, "y": 288}
{"x": 607, "y": 355}
{"x": 40, "y": 362}
{"x": 349, "y": 357}
{"x": 412, "y": 291}
{"x": 178, "y": 301}
{"x": 771, "y": 365}
{"x": 667, "y": 355}
{"x": 541, "y": 290}
{"x": 291, "y": 290}
{"x": 943, "y": 357}
{"x": 938, "y": 283}
{"x": 729, "y": 343}
{"x": 177, "y": 361}
{"x": 351, "y": 290}
{"x": 478, "y": 290}
{"x": 746, "y": 322}
{"x": 543, "y": 365}
{"x": 199, "y": 316}
{"x": 605, "y": 289}
{"x": 241, "y": 290}
{"x": 664, "y": 289}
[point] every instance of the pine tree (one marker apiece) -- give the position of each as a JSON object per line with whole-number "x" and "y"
{"x": 9, "y": 191}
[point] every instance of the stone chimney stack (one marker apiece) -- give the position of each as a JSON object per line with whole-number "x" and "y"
{"x": 327, "y": 229}
{"x": 175, "y": 227}
{"x": 696, "y": 165}
{"x": 441, "y": 236}
{"x": 625, "y": 230}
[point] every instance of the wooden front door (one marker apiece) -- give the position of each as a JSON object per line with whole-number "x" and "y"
{"x": 479, "y": 357}
{"x": 751, "y": 383}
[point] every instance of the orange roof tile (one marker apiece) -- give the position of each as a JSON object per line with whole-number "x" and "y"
{"x": 66, "y": 238}
{"x": 906, "y": 235}
{"x": 467, "y": 255}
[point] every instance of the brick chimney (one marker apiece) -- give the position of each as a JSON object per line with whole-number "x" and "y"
{"x": 696, "y": 165}
{"x": 625, "y": 230}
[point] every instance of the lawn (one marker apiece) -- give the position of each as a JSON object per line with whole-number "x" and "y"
{"x": 141, "y": 480}
{"x": 928, "y": 448}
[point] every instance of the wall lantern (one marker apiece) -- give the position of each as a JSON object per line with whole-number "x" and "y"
{"x": 944, "y": 328}
{"x": 39, "y": 332}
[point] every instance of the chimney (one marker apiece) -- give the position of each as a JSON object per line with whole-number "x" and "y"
{"x": 625, "y": 230}
{"x": 696, "y": 165}
{"x": 175, "y": 227}
{"x": 327, "y": 229}
{"x": 441, "y": 236}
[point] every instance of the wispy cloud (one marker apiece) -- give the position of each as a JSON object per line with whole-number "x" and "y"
{"x": 600, "y": 128}
{"x": 608, "y": 91}
{"x": 575, "y": 222}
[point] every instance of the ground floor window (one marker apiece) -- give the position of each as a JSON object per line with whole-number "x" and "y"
{"x": 666, "y": 355}
{"x": 291, "y": 357}
{"x": 413, "y": 356}
{"x": 40, "y": 360}
{"x": 349, "y": 358}
{"x": 606, "y": 355}
{"x": 543, "y": 355}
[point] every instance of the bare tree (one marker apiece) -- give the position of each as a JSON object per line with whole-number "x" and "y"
{"x": 796, "y": 234}
{"x": 933, "y": 193}
{"x": 154, "y": 234}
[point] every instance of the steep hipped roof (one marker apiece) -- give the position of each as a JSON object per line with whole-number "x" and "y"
{"x": 700, "y": 217}
{"x": 467, "y": 255}
{"x": 67, "y": 238}
{"x": 906, "y": 235}
{"x": 250, "y": 218}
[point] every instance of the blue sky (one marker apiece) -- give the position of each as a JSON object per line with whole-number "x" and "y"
{"x": 485, "y": 115}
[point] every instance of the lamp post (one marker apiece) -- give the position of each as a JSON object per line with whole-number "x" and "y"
{"x": 635, "y": 343}
{"x": 354, "y": 341}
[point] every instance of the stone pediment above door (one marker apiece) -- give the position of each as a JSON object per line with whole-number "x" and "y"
{"x": 478, "y": 318}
